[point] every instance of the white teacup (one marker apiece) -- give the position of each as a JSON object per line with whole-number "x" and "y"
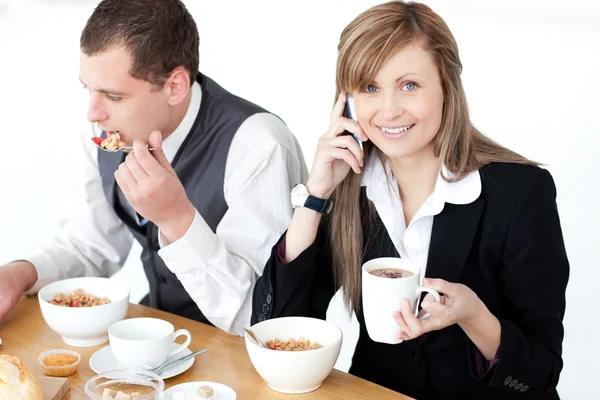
{"x": 383, "y": 296}
{"x": 145, "y": 343}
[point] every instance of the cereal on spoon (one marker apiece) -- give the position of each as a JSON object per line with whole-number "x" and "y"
{"x": 112, "y": 142}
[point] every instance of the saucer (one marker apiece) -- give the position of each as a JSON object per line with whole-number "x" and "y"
{"x": 222, "y": 392}
{"x": 103, "y": 360}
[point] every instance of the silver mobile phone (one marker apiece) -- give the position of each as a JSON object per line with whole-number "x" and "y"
{"x": 351, "y": 113}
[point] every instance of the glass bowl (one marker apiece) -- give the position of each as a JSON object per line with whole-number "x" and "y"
{"x": 147, "y": 385}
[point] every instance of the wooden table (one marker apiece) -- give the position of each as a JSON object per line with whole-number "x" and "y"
{"x": 25, "y": 335}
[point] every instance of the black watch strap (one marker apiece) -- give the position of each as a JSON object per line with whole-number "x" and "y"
{"x": 317, "y": 204}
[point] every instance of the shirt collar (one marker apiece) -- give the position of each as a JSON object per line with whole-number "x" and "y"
{"x": 172, "y": 143}
{"x": 465, "y": 191}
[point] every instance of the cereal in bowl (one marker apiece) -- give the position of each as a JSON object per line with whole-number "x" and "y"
{"x": 293, "y": 345}
{"x": 78, "y": 299}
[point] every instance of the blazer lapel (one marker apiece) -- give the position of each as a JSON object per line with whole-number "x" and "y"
{"x": 452, "y": 236}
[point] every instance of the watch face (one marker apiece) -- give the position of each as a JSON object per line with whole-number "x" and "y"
{"x": 299, "y": 195}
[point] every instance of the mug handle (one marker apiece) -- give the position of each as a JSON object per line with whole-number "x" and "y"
{"x": 432, "y": 292}
{"x": 176, "y": 334}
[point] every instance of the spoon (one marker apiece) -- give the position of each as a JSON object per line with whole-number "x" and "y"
{"x": 253, "y": 336}
{"x": 160, "y": 368}
{"x": 98, "y": 141}
{"x": 123, "y": 148}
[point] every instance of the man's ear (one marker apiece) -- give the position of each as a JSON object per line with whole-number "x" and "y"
{"x": 177, "y": 86}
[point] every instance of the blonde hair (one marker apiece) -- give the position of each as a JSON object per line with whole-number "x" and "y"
{"x": 366, "y": 44}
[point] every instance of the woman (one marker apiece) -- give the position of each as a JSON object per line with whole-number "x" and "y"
{"x": 478, "y": 219}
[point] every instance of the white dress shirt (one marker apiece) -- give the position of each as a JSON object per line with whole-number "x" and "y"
{"x": 412, "y": 241}
{"x": 217, "y": 270}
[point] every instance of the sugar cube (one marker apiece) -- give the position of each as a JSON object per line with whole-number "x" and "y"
{"x": 205, "y": 391}
{"x": 122, "y": 396}
{"x": 108, "y": 394}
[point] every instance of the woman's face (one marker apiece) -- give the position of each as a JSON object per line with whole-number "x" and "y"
{"x": 401, "y": 110}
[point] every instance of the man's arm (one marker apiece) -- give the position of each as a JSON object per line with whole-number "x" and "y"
{"x": 90, "y": 239}
{"x": 219, "y": 270}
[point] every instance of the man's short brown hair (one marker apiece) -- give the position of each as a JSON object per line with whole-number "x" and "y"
{"x": 161, "y": 35}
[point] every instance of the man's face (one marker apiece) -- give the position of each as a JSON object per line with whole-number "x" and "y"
{"x": 118, "y": 101}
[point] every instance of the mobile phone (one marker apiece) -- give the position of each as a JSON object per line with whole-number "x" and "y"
{"x": 350, "y": 112}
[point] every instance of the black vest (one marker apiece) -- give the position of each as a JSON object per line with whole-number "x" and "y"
{"x": 200, "y": 165}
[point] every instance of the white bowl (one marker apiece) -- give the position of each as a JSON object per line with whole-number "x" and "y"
{"x": 84, "y": 326}
{"x": 295, "y": 371}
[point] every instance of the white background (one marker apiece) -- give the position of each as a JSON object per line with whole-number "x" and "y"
{"x": 530, "y": 72}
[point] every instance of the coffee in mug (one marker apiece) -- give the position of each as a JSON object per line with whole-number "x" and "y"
{"x": 392, "y": 273}
{"x": 385, "y": 283}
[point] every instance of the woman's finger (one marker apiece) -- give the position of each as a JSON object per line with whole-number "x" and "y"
{"x": 348, "y": 142}
{"x": 403, "y": 326}
{"x": 428, "y": 300}
{"x": 416, "y": 327}
{"x": 441, "y": 286}
{"x": 335, "y": 153}
{"x": 338, "y": 109}
{"x": 344, "y": 125}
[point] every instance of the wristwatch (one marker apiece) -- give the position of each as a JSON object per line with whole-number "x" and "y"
{"x": 301, "y": 198}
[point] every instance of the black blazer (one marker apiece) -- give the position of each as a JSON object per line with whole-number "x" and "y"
{"x": 507, "y": 246}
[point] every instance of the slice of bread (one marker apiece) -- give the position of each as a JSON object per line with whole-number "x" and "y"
{"x": 17, "y": 381}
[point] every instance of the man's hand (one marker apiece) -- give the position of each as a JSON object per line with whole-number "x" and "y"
{"x": 15, "y": 278}
{"x": 152, "y": 187}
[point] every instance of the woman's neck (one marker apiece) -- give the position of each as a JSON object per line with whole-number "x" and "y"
{"x": 416, "y": 176}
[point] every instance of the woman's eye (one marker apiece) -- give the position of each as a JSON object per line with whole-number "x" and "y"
{"x": 410, "y": 86}
{"x": 372, "y": 89}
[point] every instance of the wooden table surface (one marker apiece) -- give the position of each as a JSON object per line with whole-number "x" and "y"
{"x": 25, "y": 334}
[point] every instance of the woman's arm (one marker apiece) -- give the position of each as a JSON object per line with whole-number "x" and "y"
{"x": 533, "y": 279}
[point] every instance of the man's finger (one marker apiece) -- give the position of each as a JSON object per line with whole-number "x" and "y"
{"x": 125, "y": 179}
{"x": 134, "y": 166}
{"x": 155, "y": 141}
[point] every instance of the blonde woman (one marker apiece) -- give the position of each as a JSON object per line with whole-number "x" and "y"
{"x": 479, "y": 219}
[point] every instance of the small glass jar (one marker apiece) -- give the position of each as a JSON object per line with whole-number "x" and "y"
{"x": 139, "y": 385}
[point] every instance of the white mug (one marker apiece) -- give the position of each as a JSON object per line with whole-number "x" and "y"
{"x": 381, "y": 297}
{"x": 145, "y": 343}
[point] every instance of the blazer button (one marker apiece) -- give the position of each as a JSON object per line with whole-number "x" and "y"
{"x": 262, "y": 317}
{"x": 513, "y": 383}
{"x": 507, "y": 380}
{"x": 518, "y": 386}
{"x": 416, "y": 360}
{"x": 525, "y": 388}
{"x": 269, "y": 298}
{"x": 265, "y": 309}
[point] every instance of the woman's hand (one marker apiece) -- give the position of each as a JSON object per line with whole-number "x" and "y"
{"x": 336, "y": 153}
{"x": 458, "y": 305}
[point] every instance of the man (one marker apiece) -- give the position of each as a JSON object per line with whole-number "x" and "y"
{"x": 206, "y": 204}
